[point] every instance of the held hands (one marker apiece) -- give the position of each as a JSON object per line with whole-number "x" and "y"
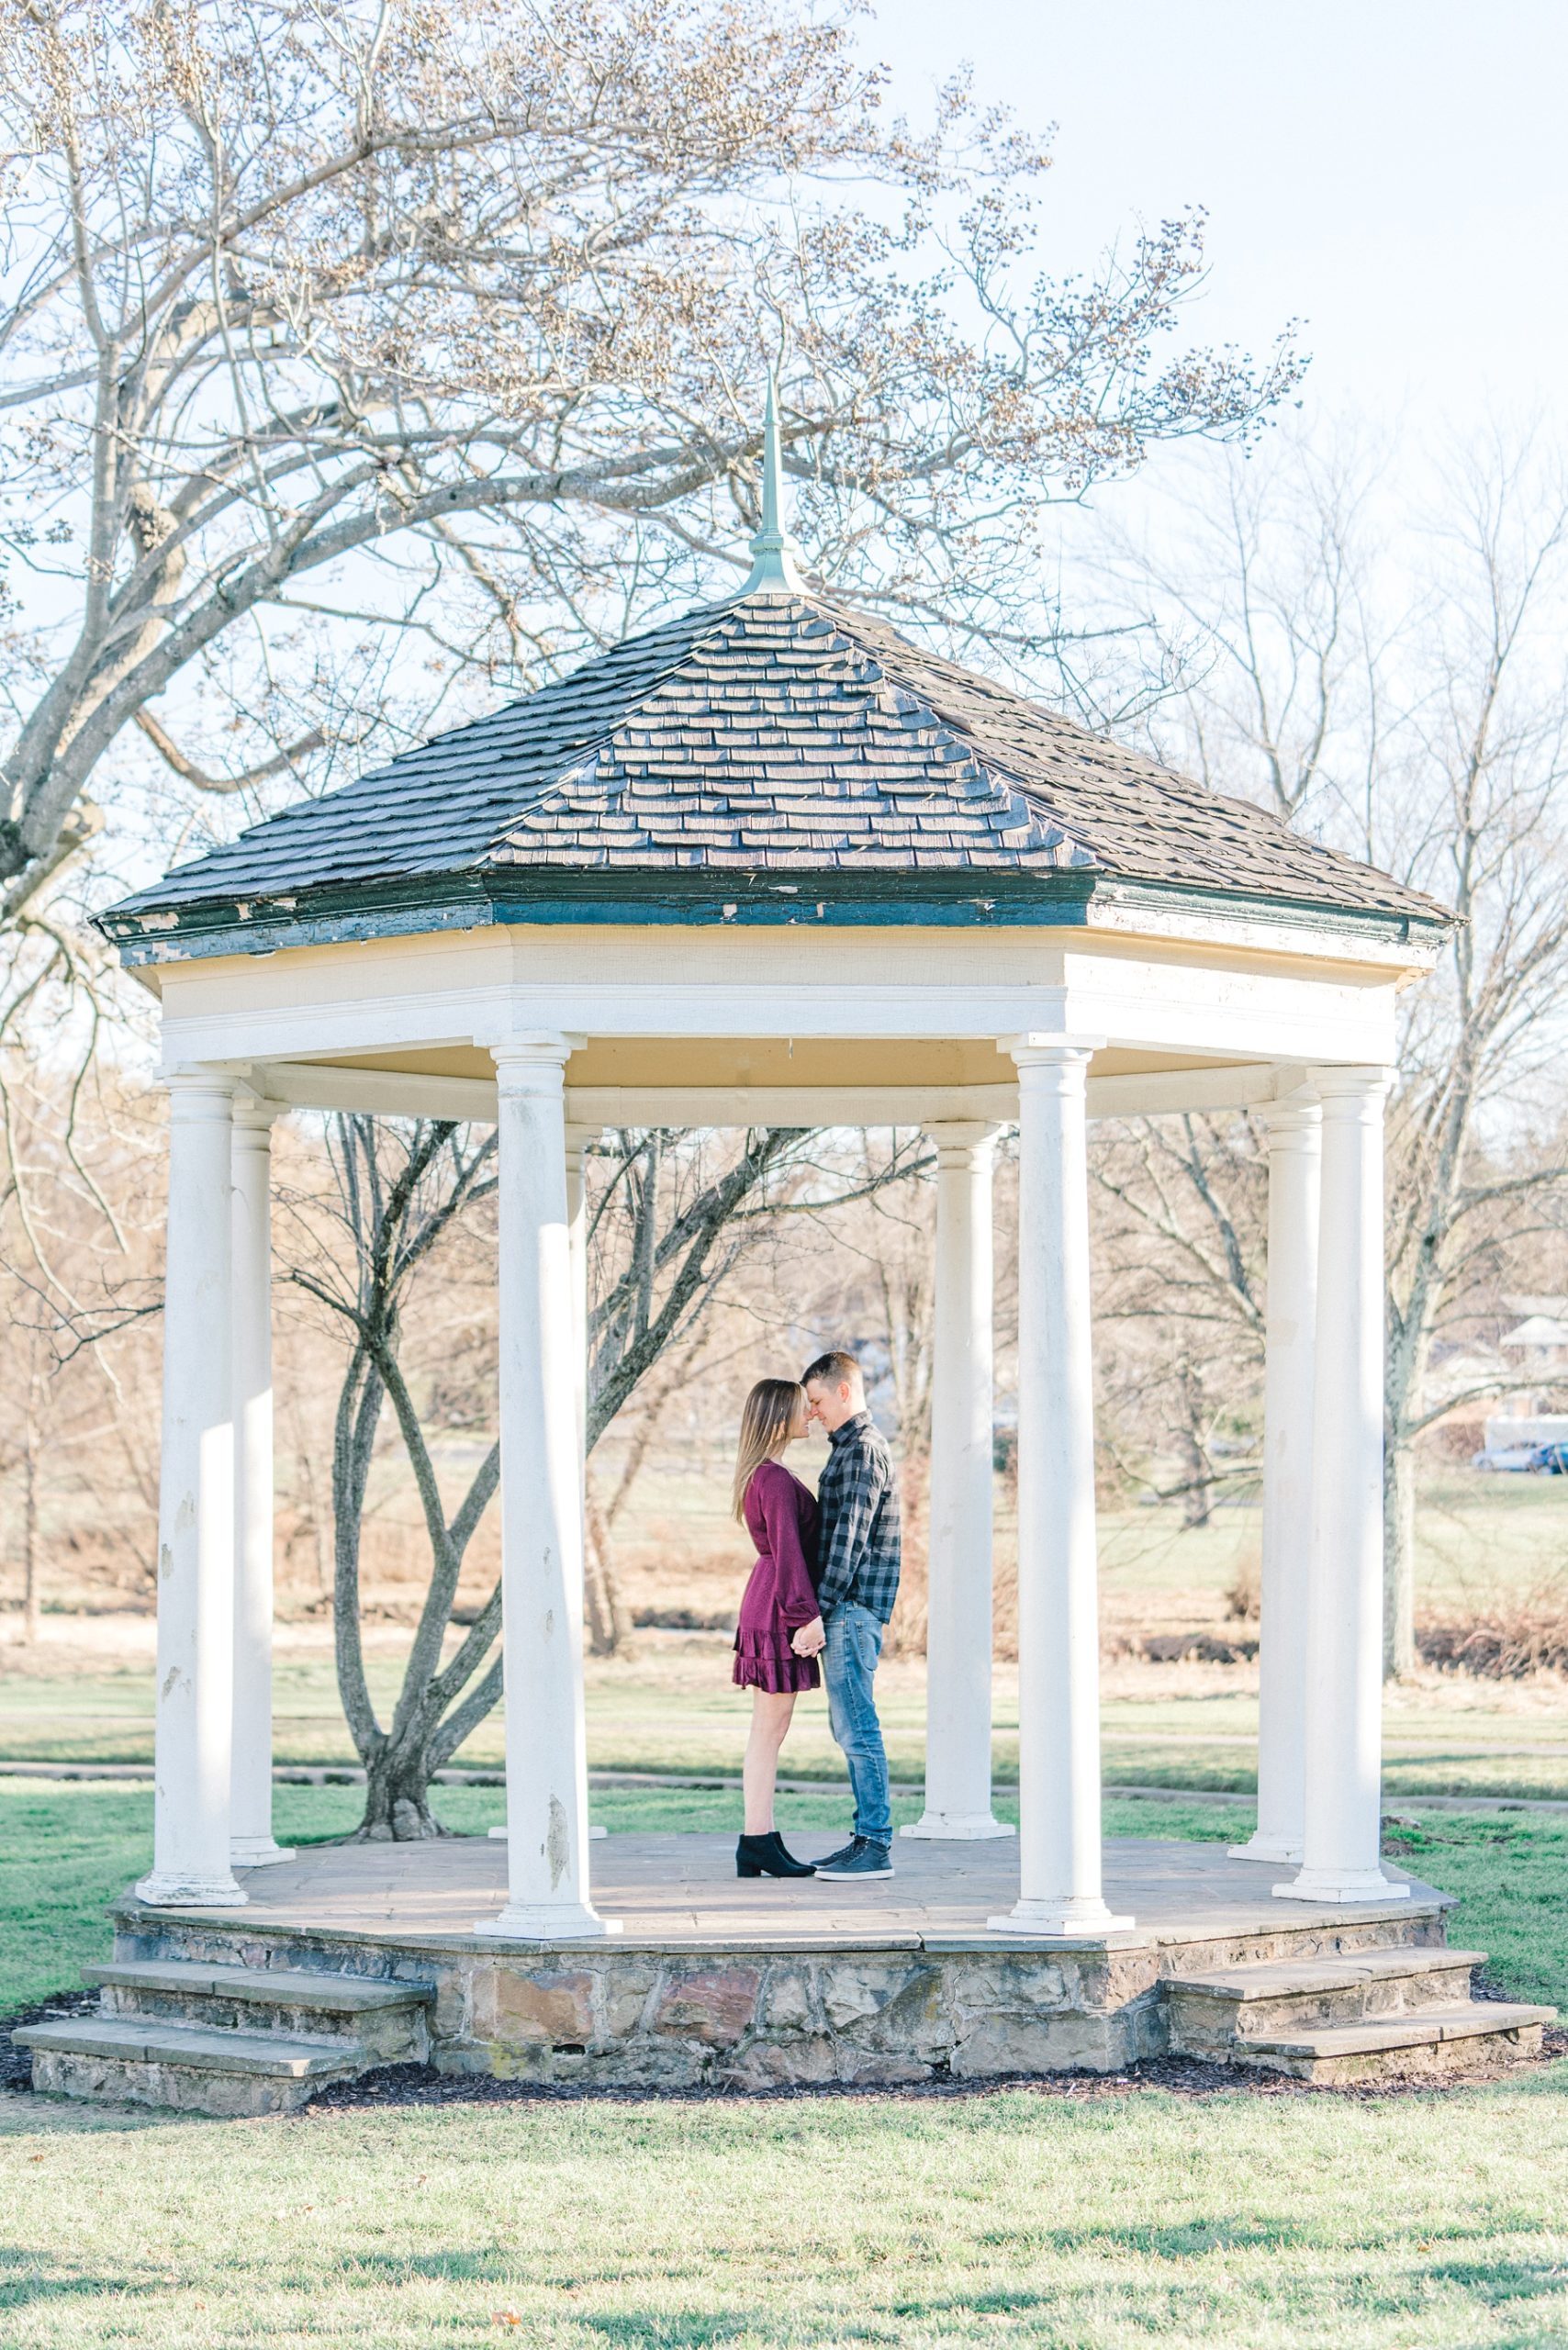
{"x": 811, "y": 1639}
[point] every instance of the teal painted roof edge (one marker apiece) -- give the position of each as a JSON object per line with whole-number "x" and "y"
{"x": 1055, "y": 902}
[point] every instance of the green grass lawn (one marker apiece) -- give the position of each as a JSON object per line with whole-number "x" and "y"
{"x": 1095, "y": 2222}
{"x": 1082, "y": 2217}
{"x": 1087, "y": 2219}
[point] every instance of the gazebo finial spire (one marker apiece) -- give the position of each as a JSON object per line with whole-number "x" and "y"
{"x": 775, "y": 568}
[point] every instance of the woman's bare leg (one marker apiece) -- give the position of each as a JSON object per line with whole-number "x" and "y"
{"x": 770, "y": 1712}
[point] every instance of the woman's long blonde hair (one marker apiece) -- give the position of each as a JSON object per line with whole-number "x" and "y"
{"x": 766, "y": 1422}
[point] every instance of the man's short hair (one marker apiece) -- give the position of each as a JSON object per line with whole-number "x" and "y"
{"x": 833, "y": 1370}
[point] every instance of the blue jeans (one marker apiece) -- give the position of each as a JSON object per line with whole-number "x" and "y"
{"x": 849, "y": 1660}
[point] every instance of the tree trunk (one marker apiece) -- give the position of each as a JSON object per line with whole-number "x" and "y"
{"x": 1195, "y": 1505}
{"x": 1399, "y": 1560}
{"x": 1196, "y": 1489}
{"x": 608, "y": 1625}
{"x": 396, "y": 1799}
{"x": 30, "y": 1528}
{"x": 316, "y": 1514}
{"x": 1404, "y": 1372}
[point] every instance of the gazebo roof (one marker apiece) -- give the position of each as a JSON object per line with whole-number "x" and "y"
{"x": 774, "y": 756}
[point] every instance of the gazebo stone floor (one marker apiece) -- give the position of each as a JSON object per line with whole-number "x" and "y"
{"x": 352, "y": 1957}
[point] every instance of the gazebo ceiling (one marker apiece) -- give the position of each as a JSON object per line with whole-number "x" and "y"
{"x": 718, "y": 1080}
{"x": 759, "y": 1061}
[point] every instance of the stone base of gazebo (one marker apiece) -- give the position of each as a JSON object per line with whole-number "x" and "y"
{"x": 351, "y": 1957}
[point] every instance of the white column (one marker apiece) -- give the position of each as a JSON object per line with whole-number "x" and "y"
{"x": 958, "y": 1635}
{"x": 1294, "y": 1130}
{"x": 578, "y": 1141}
{"x": 1344, "y": 1646}
{"x": 251, "y": 1841}
{"x": 195, "y": 1511}
{"x": 542, "y": 1511}
{"x": 1059, "y": 1633}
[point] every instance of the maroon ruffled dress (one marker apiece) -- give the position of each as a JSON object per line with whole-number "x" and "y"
{"x": 781, "y": 1519}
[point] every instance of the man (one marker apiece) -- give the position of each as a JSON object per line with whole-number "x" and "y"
{"x": 857, "y": 1581}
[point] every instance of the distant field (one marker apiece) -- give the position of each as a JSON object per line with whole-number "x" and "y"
{"x": 1479, "y": 1539}
{"x": 86, "y": 1693}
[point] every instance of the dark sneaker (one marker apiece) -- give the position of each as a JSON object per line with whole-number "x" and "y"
{"x": 836, "y": 1860}
{"x": 862, "y": 1859}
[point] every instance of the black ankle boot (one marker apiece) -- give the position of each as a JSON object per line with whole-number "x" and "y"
{"x": 766, "y": 1856}
{"x": 785, "y": 1862}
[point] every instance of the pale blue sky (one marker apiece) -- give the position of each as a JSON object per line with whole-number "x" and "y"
{"x": 1392, "y": 172}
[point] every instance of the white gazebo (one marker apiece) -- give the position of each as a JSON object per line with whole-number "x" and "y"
{"x": 772, "y": 864}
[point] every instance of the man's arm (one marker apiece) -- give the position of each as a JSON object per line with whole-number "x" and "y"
{"x": 854, "y": 1495}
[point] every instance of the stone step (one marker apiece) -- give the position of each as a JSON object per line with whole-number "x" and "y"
{"x": 387, "y": 2019}
{"x": 1208, "y": 2012}
{"x": 333, "y": 1994}
{"x": 1441, "y": 2042}
{"x": 196, "y": 2071}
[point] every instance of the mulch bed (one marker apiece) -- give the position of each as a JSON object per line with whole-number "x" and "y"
{"x": 16, "y": 2063}
{"x": 400, "y": 2085}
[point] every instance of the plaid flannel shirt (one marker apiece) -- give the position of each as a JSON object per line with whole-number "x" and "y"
{"x": 858, "y": 1532}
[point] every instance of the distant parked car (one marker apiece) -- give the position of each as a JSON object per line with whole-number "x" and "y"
{"x": 1538, "y": 1460}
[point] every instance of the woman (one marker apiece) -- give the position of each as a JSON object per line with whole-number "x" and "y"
{"x": 780, "y": 1634}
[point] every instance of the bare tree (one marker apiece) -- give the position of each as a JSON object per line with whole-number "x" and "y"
{"x": 400, "y": 1193}
{"x": 435, "y": 327}
{"x": 1393, "y": 681}
{"x": 355, "y": 315}
{"x": 79, "y": 1234}
{"x": 1489, "y": 761}
{"x": 22, "y": 1440}
{"x": 609, "y": 1619}
{"x": 672, "y": 1215}
{"x": 1179, "y": 1232}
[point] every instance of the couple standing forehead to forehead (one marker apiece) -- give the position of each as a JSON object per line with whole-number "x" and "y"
{"x": 823, "y": 1588}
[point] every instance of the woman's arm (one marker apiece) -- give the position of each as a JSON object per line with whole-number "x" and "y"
{"x": 781, "y": 1498}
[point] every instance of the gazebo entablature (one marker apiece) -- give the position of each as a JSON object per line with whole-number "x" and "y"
{"x": 771, "y": 864}
{"x": 719, "y": 1026}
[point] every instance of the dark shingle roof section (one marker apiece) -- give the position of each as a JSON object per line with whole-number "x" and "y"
{"x": 776, "y": 733}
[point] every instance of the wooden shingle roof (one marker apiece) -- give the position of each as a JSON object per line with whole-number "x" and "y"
{"x": 762, "y": 741}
